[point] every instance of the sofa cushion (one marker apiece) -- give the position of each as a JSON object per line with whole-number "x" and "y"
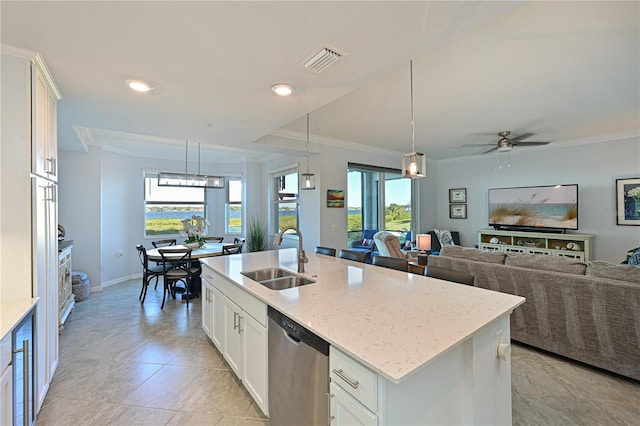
{"x": 546, "y": 263}
{"x": 602, "y": 269}
{"x": 473, "y": 254}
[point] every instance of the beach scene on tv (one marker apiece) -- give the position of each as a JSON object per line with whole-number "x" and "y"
{"x": 535, "y": 207}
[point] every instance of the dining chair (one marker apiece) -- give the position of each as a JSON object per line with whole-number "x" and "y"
{"x": 391, "y": 263}
{"x": 178, "y": 266}
{"x": 148, "y": 272}
{"x": 449, "y": 275}
{"x": 326, "y": 250}
{"x": 164, "y": 243}
{"x": 358, "y": 256}
{"x": 213, "y": 239}
{"x": 239, "y": 241}
{"x": 232, "y": 249}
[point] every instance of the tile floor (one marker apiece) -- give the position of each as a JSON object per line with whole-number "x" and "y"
{"x": 125, "y": 364}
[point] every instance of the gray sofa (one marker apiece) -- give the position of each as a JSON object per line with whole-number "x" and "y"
{"x": 586, "y": 312}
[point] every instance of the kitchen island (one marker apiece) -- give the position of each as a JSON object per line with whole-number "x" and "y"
{"x": 430, "y": 345}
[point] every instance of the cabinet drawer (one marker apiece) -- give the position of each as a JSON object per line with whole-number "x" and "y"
{"x": 213, "y": 278}
{"x": 247, "y": 302}
{"x": 5, "y": 352}
{"x": 354, "y": 378}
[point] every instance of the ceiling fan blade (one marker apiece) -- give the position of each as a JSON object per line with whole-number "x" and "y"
{"x": 479, "y": 144}
{"x": 520, "y": 137}
{"x": 530, "y": 143}
{"x": 489, "y": 150}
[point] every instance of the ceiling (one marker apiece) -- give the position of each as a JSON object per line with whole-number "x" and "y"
{"x": 566, "y": 71}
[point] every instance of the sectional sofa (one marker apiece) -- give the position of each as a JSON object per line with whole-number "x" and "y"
{"x": 586, "y": 312}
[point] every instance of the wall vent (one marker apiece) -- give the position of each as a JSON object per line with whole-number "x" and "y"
{"x": 322, "y": 58}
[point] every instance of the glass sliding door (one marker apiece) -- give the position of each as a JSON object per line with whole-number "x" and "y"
{"x": 379, "y": 199}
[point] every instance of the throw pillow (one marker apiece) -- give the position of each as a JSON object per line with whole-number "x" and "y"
{"x": 444, "y": 236}
{"x": 602, "y": 269}
{"x": 546, "y": 263}
{"x": 367, "y": 242}
{"x": 635, "y": 259}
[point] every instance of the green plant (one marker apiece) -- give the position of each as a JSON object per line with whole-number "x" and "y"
{"x": 256, "y": 235}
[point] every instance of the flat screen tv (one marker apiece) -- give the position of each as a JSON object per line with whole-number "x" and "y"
{"x": 552, "y": 207}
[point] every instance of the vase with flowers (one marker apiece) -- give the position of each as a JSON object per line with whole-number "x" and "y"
{"x": 194, "y": 228}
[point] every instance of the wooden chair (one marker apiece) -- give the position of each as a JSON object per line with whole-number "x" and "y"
{"x": 449, "y": 275}
{"x": 213, "y": 239}
{"x": 178, "y": 266}
{"x": 391, "y": 263}
{"x": 358, "y": 256}
{"x": 148, "y": 272}
{"x": 326, "y": 250}
{"x": 232, "y": 249}
{"x": 164, "y": 243}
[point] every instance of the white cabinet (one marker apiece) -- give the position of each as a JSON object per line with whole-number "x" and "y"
{"x": 346, "y": 410}
{"x": 575, "y": 246}
{"x": 44, "y": 157}
{"x": 29, "y": 210}
{"x": 233, "y": 336}
{"x": 212, "y": 311}
{"x": 236, "y": 322}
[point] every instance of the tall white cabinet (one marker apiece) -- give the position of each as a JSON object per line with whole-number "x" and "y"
{"x": 29, "y": 209}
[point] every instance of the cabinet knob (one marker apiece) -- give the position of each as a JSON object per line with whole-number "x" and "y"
{"x": 504, "y": 351}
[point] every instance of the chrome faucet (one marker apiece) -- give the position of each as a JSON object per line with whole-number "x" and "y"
{"x": 302, "y": 257}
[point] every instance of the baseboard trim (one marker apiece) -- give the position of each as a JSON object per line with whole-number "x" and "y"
{"x": 119, "y": 280}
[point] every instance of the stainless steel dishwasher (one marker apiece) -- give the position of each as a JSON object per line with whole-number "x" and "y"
{"x": 298, "y": 374}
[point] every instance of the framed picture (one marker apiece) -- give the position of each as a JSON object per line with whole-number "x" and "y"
{"x": 335, "y": 198}
{"x": 628, "y": 201}
{"x": 458, "y": 195}
{"x": 458, "y": 211}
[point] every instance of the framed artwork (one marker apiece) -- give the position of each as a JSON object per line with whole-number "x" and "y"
{"x": 335, "y": 198}
{"x": 458, "y": 195}
{"x": 628, "y": 201}
{"x": 457, "y": 211}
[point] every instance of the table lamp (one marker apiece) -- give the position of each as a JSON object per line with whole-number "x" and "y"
{"x": 423, "y": 243}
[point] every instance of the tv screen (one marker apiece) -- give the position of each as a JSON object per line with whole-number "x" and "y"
{"x": 537, "y": 207}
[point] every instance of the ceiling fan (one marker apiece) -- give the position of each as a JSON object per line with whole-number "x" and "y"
{"x": 506, "y": 144}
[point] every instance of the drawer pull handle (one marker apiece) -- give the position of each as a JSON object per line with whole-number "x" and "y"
{"x": 353, "y": 383}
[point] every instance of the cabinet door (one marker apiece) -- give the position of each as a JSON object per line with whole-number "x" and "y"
{"x": 345, "y": 410}
{"x": 232, "y": 337}
{"x": 52, "y": 137}
{"x": 217, "y": 318}
{"x": 254, "y": 339}
{"x": 207, "y": 308}
{"x": 6, "y": 396}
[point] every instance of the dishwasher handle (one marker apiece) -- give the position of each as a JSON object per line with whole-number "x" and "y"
{"x": 295, "y": 340}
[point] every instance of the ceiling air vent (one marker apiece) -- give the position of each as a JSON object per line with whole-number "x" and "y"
{"x": 322, "y": 59}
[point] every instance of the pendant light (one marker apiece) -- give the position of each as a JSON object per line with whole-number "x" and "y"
{"x": 307, "y": 180}
{"x": 414, "y": 164}
{"x": 190, "y": 180}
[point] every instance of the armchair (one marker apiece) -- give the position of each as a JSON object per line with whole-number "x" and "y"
{"x": 389, "y": 245}
{"x": 366, "y": 243}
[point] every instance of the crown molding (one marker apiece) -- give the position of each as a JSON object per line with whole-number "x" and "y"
{"x": 36, "y": 59}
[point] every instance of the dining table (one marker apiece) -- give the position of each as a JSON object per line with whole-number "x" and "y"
{"x": 207, "y": 250}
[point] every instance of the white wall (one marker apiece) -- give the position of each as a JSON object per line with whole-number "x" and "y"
{"x": 594, "y": 167}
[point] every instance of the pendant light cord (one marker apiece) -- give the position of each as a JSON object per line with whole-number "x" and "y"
{"x": 307, "y": 143}
{"x": 186, "y": 154}
{"x": 413, "y": 128}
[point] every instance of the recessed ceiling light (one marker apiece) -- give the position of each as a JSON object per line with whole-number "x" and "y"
{"x": 139, "y": 85}
{"x": 282, "y": 89}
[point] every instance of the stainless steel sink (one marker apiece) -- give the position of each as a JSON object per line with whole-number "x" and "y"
{"x": 277, "y": 278}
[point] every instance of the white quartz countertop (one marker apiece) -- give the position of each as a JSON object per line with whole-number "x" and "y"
{"x": 11, "y": 313}
{"x": 393, "y": 322}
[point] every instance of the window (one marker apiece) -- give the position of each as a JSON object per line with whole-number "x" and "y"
{"x": 378, "y": 198}
{"x": 166, "y": 206}
{"x": 234, "y": 207}
{"x": 285, "y": 190}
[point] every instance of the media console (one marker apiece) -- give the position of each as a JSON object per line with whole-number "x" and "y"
{"x": 577, "y": 246}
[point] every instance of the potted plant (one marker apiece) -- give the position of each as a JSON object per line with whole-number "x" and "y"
{"x": 256, "y": 235}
